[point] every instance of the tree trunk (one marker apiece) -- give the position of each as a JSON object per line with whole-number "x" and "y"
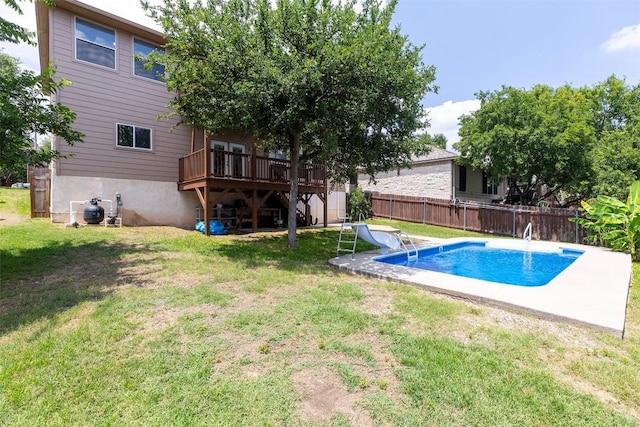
{"x": 294, "y": 146}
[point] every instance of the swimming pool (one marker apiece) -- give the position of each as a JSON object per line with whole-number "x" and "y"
{"x": 512, "y": 264}
{"x": 592, "y": 291}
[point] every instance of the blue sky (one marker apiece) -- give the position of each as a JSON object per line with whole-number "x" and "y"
{"x": 483, "y": 44}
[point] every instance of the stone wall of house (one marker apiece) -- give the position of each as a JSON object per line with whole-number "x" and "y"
{"x": 432, "y": 180}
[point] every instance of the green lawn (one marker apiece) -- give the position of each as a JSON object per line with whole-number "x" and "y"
{"x": 14, "y": 201}
{"x": 160, "y": 326}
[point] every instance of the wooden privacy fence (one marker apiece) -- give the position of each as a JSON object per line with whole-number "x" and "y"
{"x": 40, "y": 188}
{"x": 505, "y": 220}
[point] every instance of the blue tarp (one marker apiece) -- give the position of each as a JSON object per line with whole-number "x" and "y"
{"x": 215, "y": 227}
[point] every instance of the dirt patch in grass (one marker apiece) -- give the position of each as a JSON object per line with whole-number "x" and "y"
{"x": 377, "y": 300}
{"x": 9, "y": 218}
{"x": 146, "y": 271}
{"x": 244, "y": 353}
{"x": 486, "y": 316}
{"x": 322, "y": 395}
{"x": 84, "y": 312}
{"x": 164, "y": 317}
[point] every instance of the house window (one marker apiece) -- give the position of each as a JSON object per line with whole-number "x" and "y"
{"x": 488, "y": 187}
{"x": 95, "y": 44}
{"x": 141, "y": 50}
{"x": 462, "y": 178}
{"x": 133, "y": 137}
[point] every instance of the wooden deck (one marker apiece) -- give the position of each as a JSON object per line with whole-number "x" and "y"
{"x": 231, "y": 169}
{"x": 253, "y": 179}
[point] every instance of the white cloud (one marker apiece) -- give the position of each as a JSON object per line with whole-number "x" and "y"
{"x": 28, "y": 55}
{"x": 627, "y": 38}
{"x": 444, "y": 118}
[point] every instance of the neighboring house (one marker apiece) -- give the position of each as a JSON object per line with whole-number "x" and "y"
{"x": 162, "y": 175}
{"x": 436, "y": 175}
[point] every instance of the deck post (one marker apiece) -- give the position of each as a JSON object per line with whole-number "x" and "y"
{"x": 254, "y": 211}
{"x": 207, "y": 208}
{"x": 325, "y": 208}
{"x": 253, "y": 162}
{"x": 207, "y": 156}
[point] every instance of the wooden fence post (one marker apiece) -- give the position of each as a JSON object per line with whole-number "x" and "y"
{"x": 464, "y": 216}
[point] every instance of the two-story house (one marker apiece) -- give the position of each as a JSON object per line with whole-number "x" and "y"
{"x": 437, "y": 175}
{"x": 162, "y": 174}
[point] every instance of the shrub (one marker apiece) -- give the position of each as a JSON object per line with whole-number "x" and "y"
{"x": 358, "y": 205}
{"x": 613, "y": 223}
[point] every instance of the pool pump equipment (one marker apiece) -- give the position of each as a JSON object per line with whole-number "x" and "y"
{"x": 94, "y": 214}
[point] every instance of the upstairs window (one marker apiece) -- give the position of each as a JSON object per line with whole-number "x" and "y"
{"x": 133, "y": 137}
{"x": 95, "y": 44}
{"x": 140, "y": 50}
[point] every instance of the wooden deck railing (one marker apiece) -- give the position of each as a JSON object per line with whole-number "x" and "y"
{"x": 241, "y": 166}
{"x": 192, "y": 166}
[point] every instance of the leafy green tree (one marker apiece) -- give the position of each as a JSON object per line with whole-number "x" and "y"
{"x": 25, "y": 111}
{"x": 615, "y": 157}
{"x": 14, "y": 33}
{"x": 613, "y": 223}
{"x": 24, "y": 108}
{"x": 314, "y": 78}
{"x": 537, "y": 137}
{"x": 8, "y": 64}
{"x": 16, "y": 172}
{"x": 427, "y": 141}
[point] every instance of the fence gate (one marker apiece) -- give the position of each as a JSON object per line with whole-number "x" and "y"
{"x": 40, "y": 183}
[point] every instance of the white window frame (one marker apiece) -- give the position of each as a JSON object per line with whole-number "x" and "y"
{"x": 491, "y": 188}
{"x": 133, "y": 59}
{"x": 134, "y": 138}
{"x": 76, "y": 38}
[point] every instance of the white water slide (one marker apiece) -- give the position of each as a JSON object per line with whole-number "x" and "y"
{"x": 384, "y": 241}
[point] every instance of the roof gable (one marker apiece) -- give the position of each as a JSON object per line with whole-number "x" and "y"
{"x": 436, "y": 154}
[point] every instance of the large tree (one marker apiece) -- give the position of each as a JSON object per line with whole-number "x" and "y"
{"x": 615, "y": 158}
{"x": 25, "y": 110}
{"x": 12, "y": 32}
{"x": 534, "y": 138}
{"x": 314, "y": 78}
{"x": 584, "y": 142}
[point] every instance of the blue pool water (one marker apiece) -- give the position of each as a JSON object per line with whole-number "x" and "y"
{"x": 476, "y": 260}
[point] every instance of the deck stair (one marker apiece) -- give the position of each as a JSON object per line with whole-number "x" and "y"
{"x": 284, "y": 200}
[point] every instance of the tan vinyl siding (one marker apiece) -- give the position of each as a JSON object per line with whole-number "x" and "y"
{"x": 101, "y": 98}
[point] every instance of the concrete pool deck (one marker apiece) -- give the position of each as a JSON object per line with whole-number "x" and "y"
{"x": 592, "y": 291}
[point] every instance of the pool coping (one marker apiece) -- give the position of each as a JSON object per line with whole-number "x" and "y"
{"x": 593, "y": 291}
